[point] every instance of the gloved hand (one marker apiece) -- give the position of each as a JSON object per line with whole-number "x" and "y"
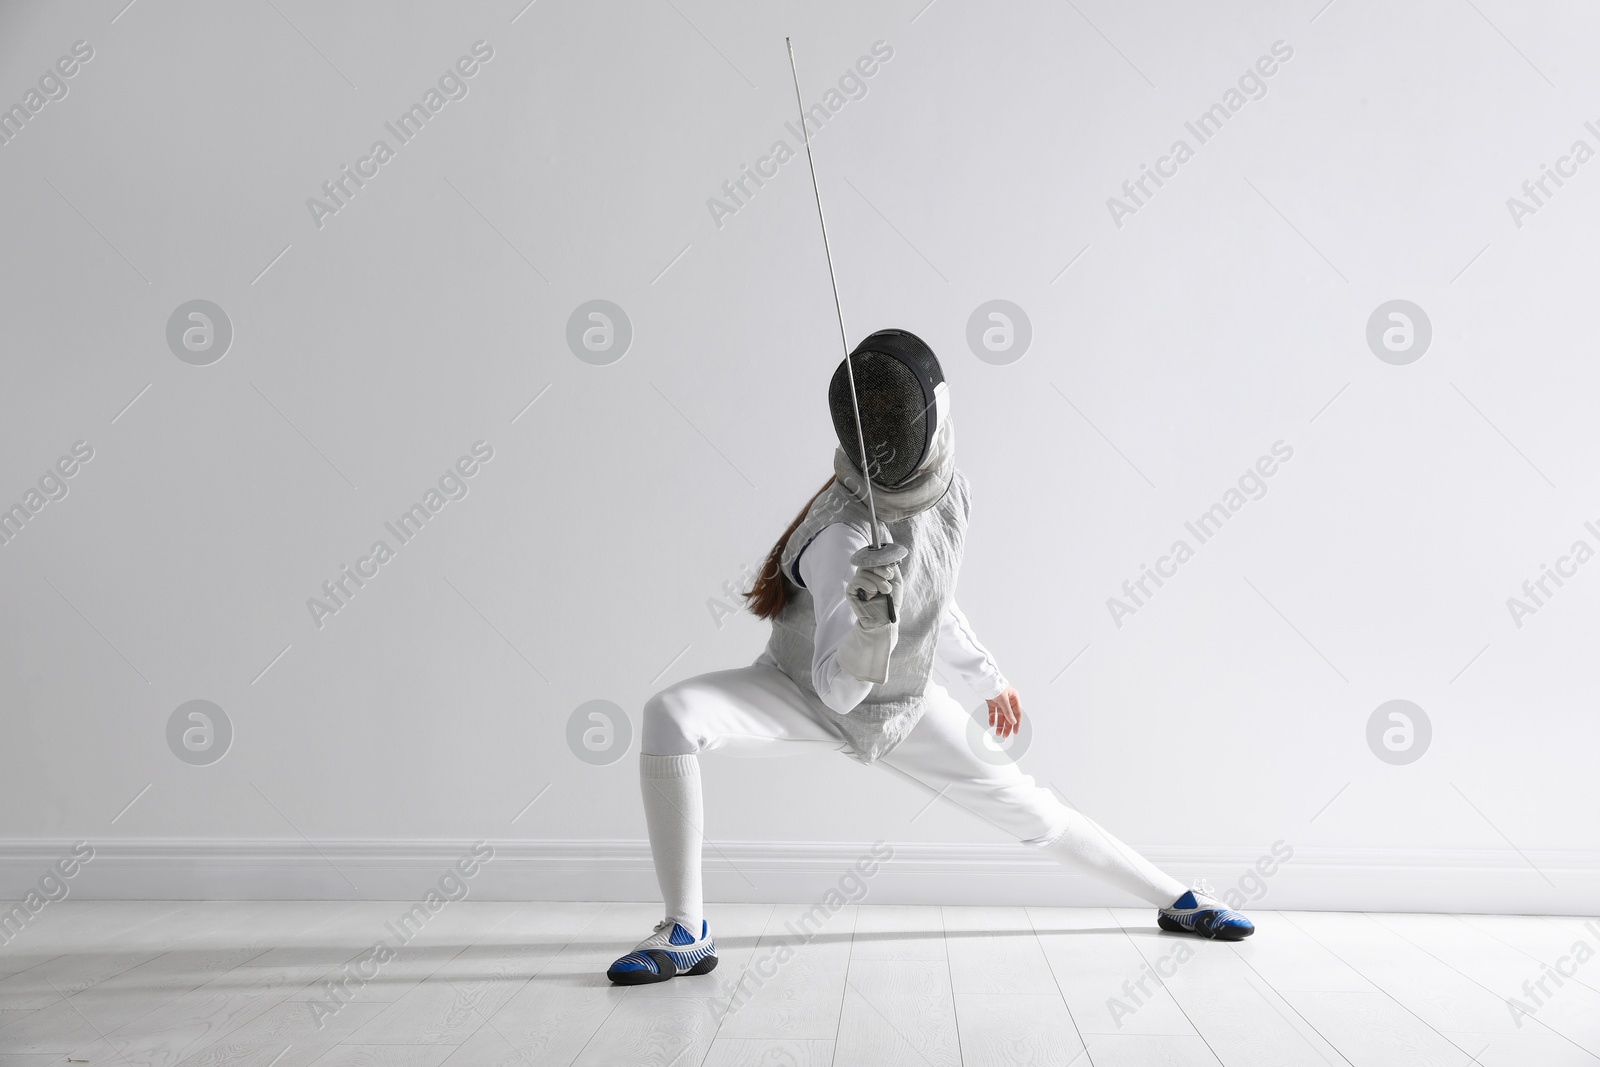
{"x": 869, "y": 592}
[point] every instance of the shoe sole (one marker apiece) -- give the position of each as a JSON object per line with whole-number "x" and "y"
{"x": 1226, "y": 933}
{"x": 705, "y": 966}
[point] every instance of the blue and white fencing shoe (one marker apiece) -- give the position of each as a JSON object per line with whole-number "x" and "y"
{"x": 668, "y": 952}
{"x": 1198, "y": 912}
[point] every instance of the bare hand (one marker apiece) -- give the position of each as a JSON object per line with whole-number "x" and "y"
{"x": 1005, "y": 713}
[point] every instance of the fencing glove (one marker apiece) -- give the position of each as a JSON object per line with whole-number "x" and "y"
{"x": 869, "y": 592}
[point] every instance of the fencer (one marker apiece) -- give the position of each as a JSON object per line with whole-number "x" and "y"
{"x": 863, "y": 610}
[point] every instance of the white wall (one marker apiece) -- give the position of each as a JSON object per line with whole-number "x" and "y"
{"x": 1229, "y": 313}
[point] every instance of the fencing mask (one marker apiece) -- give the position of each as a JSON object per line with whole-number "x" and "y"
{"x": 902, "y": 396}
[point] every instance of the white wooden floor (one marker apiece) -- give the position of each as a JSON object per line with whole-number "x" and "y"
{"x": 509, "y": 984}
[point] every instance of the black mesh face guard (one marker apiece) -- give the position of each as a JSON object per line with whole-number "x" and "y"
{"x": 896, "y": 374}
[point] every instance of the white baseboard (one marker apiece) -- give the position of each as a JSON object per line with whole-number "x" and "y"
{"x": 1453, "y": 880}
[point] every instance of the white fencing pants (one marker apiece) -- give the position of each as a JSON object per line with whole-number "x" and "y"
{"x": 758, "y": 711}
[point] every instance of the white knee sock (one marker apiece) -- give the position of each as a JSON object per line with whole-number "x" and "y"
{"x": 674, "y": 815}
{"x": 1086, "y": 845}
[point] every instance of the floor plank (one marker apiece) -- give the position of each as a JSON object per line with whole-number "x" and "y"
{"x": 1543, "y": 1049}
{"x": 1550, "y": 943}
{"x": 1000, "y": 1030}
{"x": 383, "y": 1056}
{"x": 995, "y": 950}
{"x": 652, "y": 1032}
{"x": 899, "y": 932}
{"x": 1107, "y": 985}
{"x": 1371, "y": 1028}
{"x": 1243, "y": 1021}
{"x": 489, "y": 984}
{"x": 1435, "y": 992}
{"x": 1287, "y": 958}
{"x": 898, "y": 1012}
{"x": 67, "y": 974}
{"x": 451, "y": 1004}
{"x": 1571, "y": 1009}
{"x": 289, "y": 1034}
{"x": 755, "y": 1052}
{"x": 794, "y": 987}
{"x": 1586, "y": 927}
{"x": 548, "y": 1021}
{"x": 228, "y": 996}
{"x": 1148, "y": 1050}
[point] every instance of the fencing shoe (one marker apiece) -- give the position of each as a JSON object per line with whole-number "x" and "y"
{"x": 668, "y": 952}
{"x": 1198, "y": 912}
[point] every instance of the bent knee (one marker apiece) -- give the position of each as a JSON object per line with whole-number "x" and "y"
{"x": 665, "y": 730}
